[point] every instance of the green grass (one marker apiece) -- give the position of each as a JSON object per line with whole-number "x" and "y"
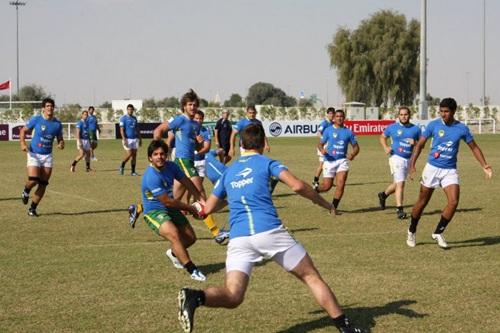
{"x": 80, "y": 268}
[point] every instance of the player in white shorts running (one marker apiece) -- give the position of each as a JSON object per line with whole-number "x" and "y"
{"x": 257, "y": 233}
{"x": 82, "y": 142}
{"x": 441, "y": 167}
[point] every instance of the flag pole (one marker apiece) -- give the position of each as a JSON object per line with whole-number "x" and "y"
{"x": 10, "y": 93}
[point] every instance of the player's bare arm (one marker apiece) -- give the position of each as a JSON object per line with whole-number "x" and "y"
{"x": 303, "y": 189}
{"x": 414, "y": 156}
{"x": 232, "y": 142}
{"x": 22, "y": 138}
{"x": 176, "y": 204}
{"x": 321, "y": 148}
{"x": 214, "y": 204}
{"x": 478, "y": 154}
{"x": 60, "y": 142}
{"x": 383, "y": 143}
{"x": 188, "y": 184}
{"x": 354, "y": 152}
{"x": 158, "y": 132}
{"x": 122, "y": 133}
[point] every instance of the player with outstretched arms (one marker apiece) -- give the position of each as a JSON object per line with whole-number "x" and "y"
{"x": 257, "y": 233}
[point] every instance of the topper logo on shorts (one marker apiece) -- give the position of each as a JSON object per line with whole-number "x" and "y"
{"x": 275, "y": 129}
{"x": 244, "y": 182}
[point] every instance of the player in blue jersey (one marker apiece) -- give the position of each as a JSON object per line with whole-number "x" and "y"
{"x": 334, "y": 146}
{"x": 82, "y": 142}
{"x": 187, "y": 141}
{"x": 214, "y": 168}
{"x": 162, "y": 212}
{"x": 257, "y": 233}
{"x": 404, "y": 135}
{"x": 93, "y": 129}
{"x": 441, "y": 168}
{"x": 205, "y": 140}
{"x": 325, "y": 123}
{"x": 250, "y": 118}
{"x": 44, "y": 128}
{"x": 131, "y": 139}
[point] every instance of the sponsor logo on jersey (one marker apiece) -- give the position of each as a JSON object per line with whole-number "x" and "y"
{"x": 244, "y": 173}
{"x": 242, "y": 183}
{"x": 399, "y": 132}
{"x": 441, "y": 133}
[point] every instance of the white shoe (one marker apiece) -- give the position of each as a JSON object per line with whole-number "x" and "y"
{"x": 411, "y": 240}
{"x": 175, "y": 261}
{"x": 439, "y": 238}
{"x": 198, "y": 275}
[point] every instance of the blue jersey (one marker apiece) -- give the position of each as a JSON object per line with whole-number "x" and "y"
{"x": 336, "y": 140}
{"x": 324, "y": 125}
{"x": 92, "y": 121}
{"x": 244, "y": 122}
{"x": 185, "y": 130}
{"x": 83, "y": 126}
{"x": 213, "y": 167}
{"x": 43, "y": 133}
{"x": 156, "y": 182}
{"x": 404, "y": 138}
{"x": 205, "y": 134}
{"x": 445, "y": 142}
{"x": 129, "y": 124}
{"x": 245, "y": 185}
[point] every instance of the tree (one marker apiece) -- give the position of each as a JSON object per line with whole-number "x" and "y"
{"x": 105, "y": 105}
{"x": 32, "y": 92}
{"x": 235, "y": 100}
{"x": 377, "y": 63}
{"x": 262, "y": 93}
{"x": 149, "y": 103}
{"x": 168, "y": 102}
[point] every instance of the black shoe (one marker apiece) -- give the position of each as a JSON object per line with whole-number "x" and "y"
{"x": 32, "y": 212}
{"x": 187, "y": 305}
{"x": 381, "y": 200}
{"x": 25, "y": 197}
{"x": 401, "y": 215}
{"x": 346, "y": 327}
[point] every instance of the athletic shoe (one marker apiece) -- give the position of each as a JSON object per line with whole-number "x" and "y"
{"x": 25, "y": 197}
{"x": 221, "y": 236}
{"x": 32, "y": 212}
{"x": 381, "y": 200}
{"x": 315, "y": 185}
{"x": 94, "y": 158}
{"x": 198, "y": 275}
{"x": 72, "y": 168}
{"x": 121, "y": 170}
{"x": 411, "y": 240}
{"x": 401, "y": 215}
{"x": 175, "y": 261}
{"x": 134, "y": 174}
{"x": 346, "y": 327}
{"x": 439, "y": 238}
{"x": 132, "y": 215}
{"x": 187, "y": 305}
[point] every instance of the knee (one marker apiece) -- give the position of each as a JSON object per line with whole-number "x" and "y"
{"x": 42, "y": 184}
{"x": 33, "y": 180}
{"x": 453, "y": 202}
{"x": 171, "y": 235}
{"x": 235, "y": 299}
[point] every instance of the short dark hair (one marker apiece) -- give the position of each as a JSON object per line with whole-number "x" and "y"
{"x": 48, "y": 100}
{"x": 404, "y": 107}
{"x": 330, "y": 109}
{"x": 91, "y": 108}
{"x": 340, "y": 111}
{"x": 190, "y": 96}
{"x": 251, "y": 107}
{"x": 85, "y": 111}
{"x": 130, "y": 106}
{"x": 155, "y": 144}
{"x": 200, "y": 113}
{"x": 253, "y": 137}
{"x": 449, "y": 103}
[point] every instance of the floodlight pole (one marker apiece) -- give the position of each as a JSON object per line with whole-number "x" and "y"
{"x": 484, "y": 52}
{"x": 423, "y": 60}
{"x": 17, "y": 3}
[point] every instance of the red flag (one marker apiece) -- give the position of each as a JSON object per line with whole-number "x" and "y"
{"x": 5, "y": 85}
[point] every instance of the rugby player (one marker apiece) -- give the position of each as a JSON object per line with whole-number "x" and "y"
{"x": 93, "y": 129}
{"x": 82, "y": 142}
{"x": 327, "y": 122}
{"x": 131, "y": 139}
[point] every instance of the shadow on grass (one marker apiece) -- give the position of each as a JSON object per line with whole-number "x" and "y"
{"x": 459, "y": 210}
{"x": 481, "y": 241}
{"x": 212, "y": 268}
{"x": 283, "y": 195}
{"x": 390, "y": 209}
{"x": 7, "y": 199}
{"x": 367, "y": 183}
{"x": 302, "y": 229}
{"x": 362, "y": 317}
{"x": 89, "y": 212}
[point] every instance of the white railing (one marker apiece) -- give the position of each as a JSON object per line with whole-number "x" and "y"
{"x": 481, "y": 122}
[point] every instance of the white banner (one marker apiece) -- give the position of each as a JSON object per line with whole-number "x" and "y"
{"x": 291, "y": 128}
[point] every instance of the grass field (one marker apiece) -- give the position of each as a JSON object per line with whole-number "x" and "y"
{"x": 80, "y": 268}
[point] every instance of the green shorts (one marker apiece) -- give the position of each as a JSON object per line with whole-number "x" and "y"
{"x": 155, "y": 218}
{"x": 187, "y": 166}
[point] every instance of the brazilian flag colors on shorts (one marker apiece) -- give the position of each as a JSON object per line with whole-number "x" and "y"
{"x": 187, "y": 166}
{"x": 156, "y": 218}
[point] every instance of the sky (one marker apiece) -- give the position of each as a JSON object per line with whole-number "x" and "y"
{"x": 91, "y": 51}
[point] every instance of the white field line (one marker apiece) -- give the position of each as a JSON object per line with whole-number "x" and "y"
{"x": 73, "y": 195}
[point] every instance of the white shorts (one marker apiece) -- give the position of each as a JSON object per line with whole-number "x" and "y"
{"x": 433, "y": 177}
{"x": 321, "y": 157}
{"x": 84, "y": 146}
{"x": 330, "y": 168}
{"x": 399, "y": 168}
{"x": 132, "y": 144}
{"x": 200, "y": 167}
{"x": 276, "y": 244}
{"x": 39, "y": 160}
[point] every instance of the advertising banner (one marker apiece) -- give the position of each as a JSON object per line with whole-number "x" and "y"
{"x": 367, "y": 127}
{"x": 15, "y": 130}
{"x": 4, "y": 132}
{"x": 146, "y": 130}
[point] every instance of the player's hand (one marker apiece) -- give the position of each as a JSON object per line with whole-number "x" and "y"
{"x": 124, "y": 142}
{"x": 231, "y": 152}
{"x": 387, "y": 150}
{"x": 199, "y": 139}
{"x": 198, "y": 210}
{"x": 24, "y": 147}
{"x": 350, "y": 157}
{"x": 488, "y": 171}
{"x": 411, "y": 172}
